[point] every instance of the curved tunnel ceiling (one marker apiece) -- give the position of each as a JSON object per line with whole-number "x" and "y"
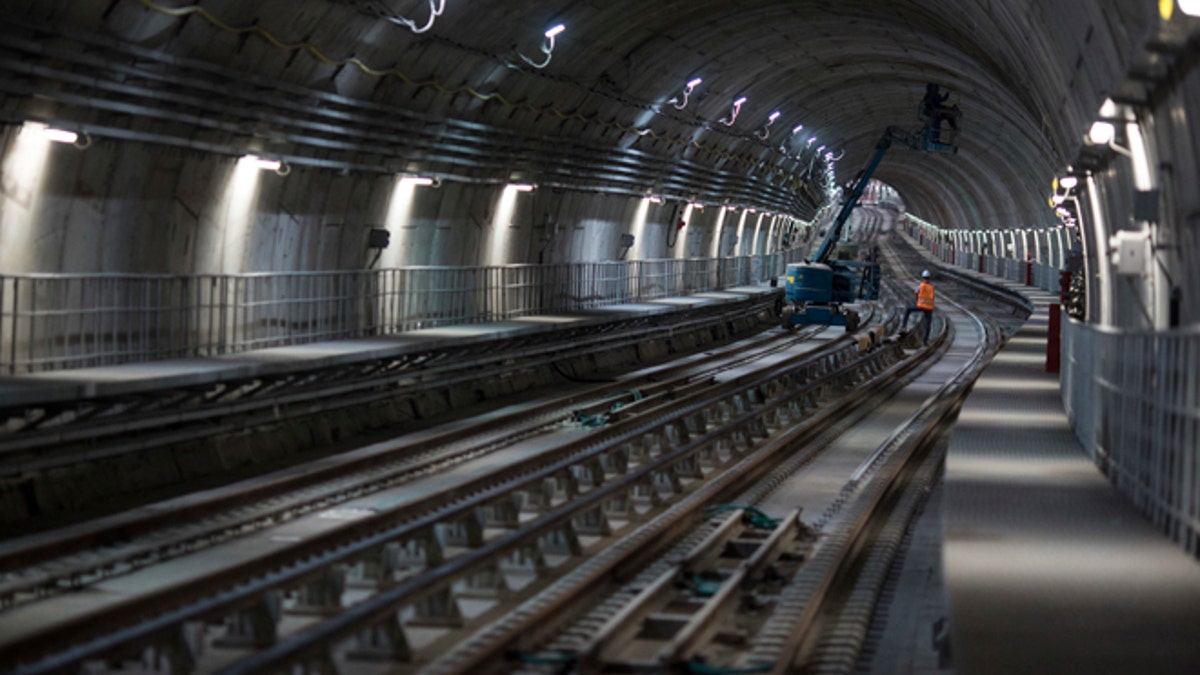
{"x": 1027, "y": 75}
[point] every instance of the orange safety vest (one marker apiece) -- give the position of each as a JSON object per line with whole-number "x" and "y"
{"x": 925, "y": 296}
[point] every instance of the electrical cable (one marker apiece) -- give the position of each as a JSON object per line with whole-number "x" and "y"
{"x": 314, "y": 51}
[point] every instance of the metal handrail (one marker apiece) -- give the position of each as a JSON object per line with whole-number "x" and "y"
{"x": 57, "y": 321}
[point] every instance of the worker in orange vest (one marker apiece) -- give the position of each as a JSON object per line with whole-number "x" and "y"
{"x": 924, "y": 303}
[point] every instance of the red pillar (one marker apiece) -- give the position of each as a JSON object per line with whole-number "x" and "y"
{"x": 1054, "y": 338}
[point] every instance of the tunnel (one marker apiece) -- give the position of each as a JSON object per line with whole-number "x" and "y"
{"x": 186, "y": 186}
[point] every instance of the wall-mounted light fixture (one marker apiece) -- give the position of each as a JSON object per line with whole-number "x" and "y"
{"x": 1102, "y": 133}
{"x": 765, "y": 133}
{"x": 547, "y": 47}
{"x": 59, "y": 135}
{"x": 733, "y": 112}
{"x": 267, "y": 164}
{"x": 436, "y": 7}
{"x": 680, "y": 102}
{"x": 79, "y": 139}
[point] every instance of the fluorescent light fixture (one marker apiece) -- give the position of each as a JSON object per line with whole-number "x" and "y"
{"x": 655, "y": 199}
{"x": 774, "y": 116}
{"x": 811, "y": 139}
{"x": 680, "y": 102}
{"x": 820, "y": 148}
{"x": 521, "y": 187}
{"x": 1102, "y": 133}
{"x": 1069, "y": 182}
{"x": 420, "y": 181}
{"x": 547, "y": 48}
{"x": 798, "y": 128}
{"x": 266, "y": 164}
{"x": 730, "y": 119}
{"x": 698, "y": 206}
{"x": 59, "y": 135}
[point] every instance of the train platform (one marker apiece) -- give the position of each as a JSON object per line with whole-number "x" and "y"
{"x": 1048, "y": 568}
{"x": 138, "y": 378}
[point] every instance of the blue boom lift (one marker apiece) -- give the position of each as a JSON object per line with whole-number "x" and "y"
{"x": 817, "y": 289}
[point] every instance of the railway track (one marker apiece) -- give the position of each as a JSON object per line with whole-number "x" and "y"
{"x": 68, "y": 560}
{"x": 460, "y": 517}
{"x": 42, "y": 434}
{"x": 603, "y": 552}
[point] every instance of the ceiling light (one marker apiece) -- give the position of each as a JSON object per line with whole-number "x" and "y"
{"x": 420, "y": 181}
{"x": 1190, "y": 7}
{"x": 547, "y": 47}
{"x": 797, "y": 129}
{"x": 436, "y": 8}
{"x": 733, "y": 113}
{"x": 59, "y": 135}
{"x": 680, "y": 102}
{"x": 1102, "y": 133}
{"x": 521, "y": 187}
{"x": 266, "y": 164}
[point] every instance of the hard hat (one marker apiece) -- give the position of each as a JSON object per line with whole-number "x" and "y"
{"x": 925, "y": 274}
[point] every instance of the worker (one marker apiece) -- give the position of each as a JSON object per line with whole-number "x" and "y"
{"x": 924, "y": 304}
{"x": 933, "y": 110}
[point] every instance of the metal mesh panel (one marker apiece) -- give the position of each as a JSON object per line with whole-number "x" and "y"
{"x": 1134, "y": 400}
{"x": 69, "y": 321}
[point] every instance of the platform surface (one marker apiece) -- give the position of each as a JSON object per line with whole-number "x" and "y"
{"x": 133, "y": 378}
{"x": 1048, "y": 568}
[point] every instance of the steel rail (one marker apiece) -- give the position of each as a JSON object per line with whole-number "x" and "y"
{"x": 415, "y": 521}
{"x": 318, "y": 396}
{"x": 800, "y": 604}
{"x": 687, "y": 641}
{"x": 523, "y": 628}
{"x": 389, "y": 463}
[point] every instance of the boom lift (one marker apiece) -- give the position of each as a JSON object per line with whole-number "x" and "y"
{"x": 817, "y": 289}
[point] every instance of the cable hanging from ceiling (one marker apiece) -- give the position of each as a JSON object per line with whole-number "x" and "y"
{"x": 742, "y": 160}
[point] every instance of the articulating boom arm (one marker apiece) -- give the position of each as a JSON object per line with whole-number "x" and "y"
{"x": 892, "y": 135}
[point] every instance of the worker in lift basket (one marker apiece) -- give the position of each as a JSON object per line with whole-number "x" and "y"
{"x": 924, "y": 304}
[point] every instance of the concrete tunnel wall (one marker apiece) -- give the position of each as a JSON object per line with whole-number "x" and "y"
{"x": 121, "y": 207}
